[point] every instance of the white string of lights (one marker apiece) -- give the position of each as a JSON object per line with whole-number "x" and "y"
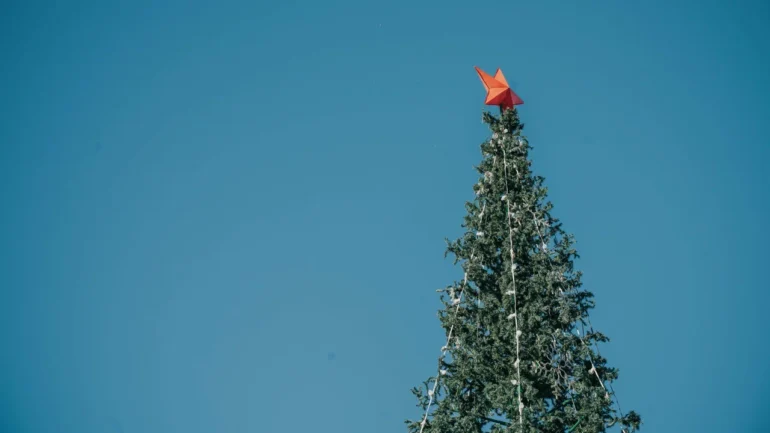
{"x": 513, "y": 316}
{"x": 544, "y": 248}
{"x": 593, "y": 370}
{"x": 456, "y": 303}
{"x": 442, "y": 371}
{"x": 612, "y": 391}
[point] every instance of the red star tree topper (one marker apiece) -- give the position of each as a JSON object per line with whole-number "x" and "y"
{"x": 498, "y": 91}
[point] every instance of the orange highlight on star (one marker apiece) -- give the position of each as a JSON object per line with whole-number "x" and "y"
{"x": 498, "y": 91}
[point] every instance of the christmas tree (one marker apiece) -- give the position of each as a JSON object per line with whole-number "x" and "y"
{"x": 521, "y": 354}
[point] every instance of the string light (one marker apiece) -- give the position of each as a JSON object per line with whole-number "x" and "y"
{"x": 513, "y": 280}
{"x": 593, "y": 369}
{"x": 444, "y": 348}
{"x": 443, "y": 371}
{"x": 456, "y": 303}
{"x": 612, "y": 391}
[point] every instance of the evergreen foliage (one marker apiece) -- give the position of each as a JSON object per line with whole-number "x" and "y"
{"x": 559, "y": 383}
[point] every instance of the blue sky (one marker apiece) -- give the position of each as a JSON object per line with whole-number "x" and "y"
{"x": 230, "y": 217}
